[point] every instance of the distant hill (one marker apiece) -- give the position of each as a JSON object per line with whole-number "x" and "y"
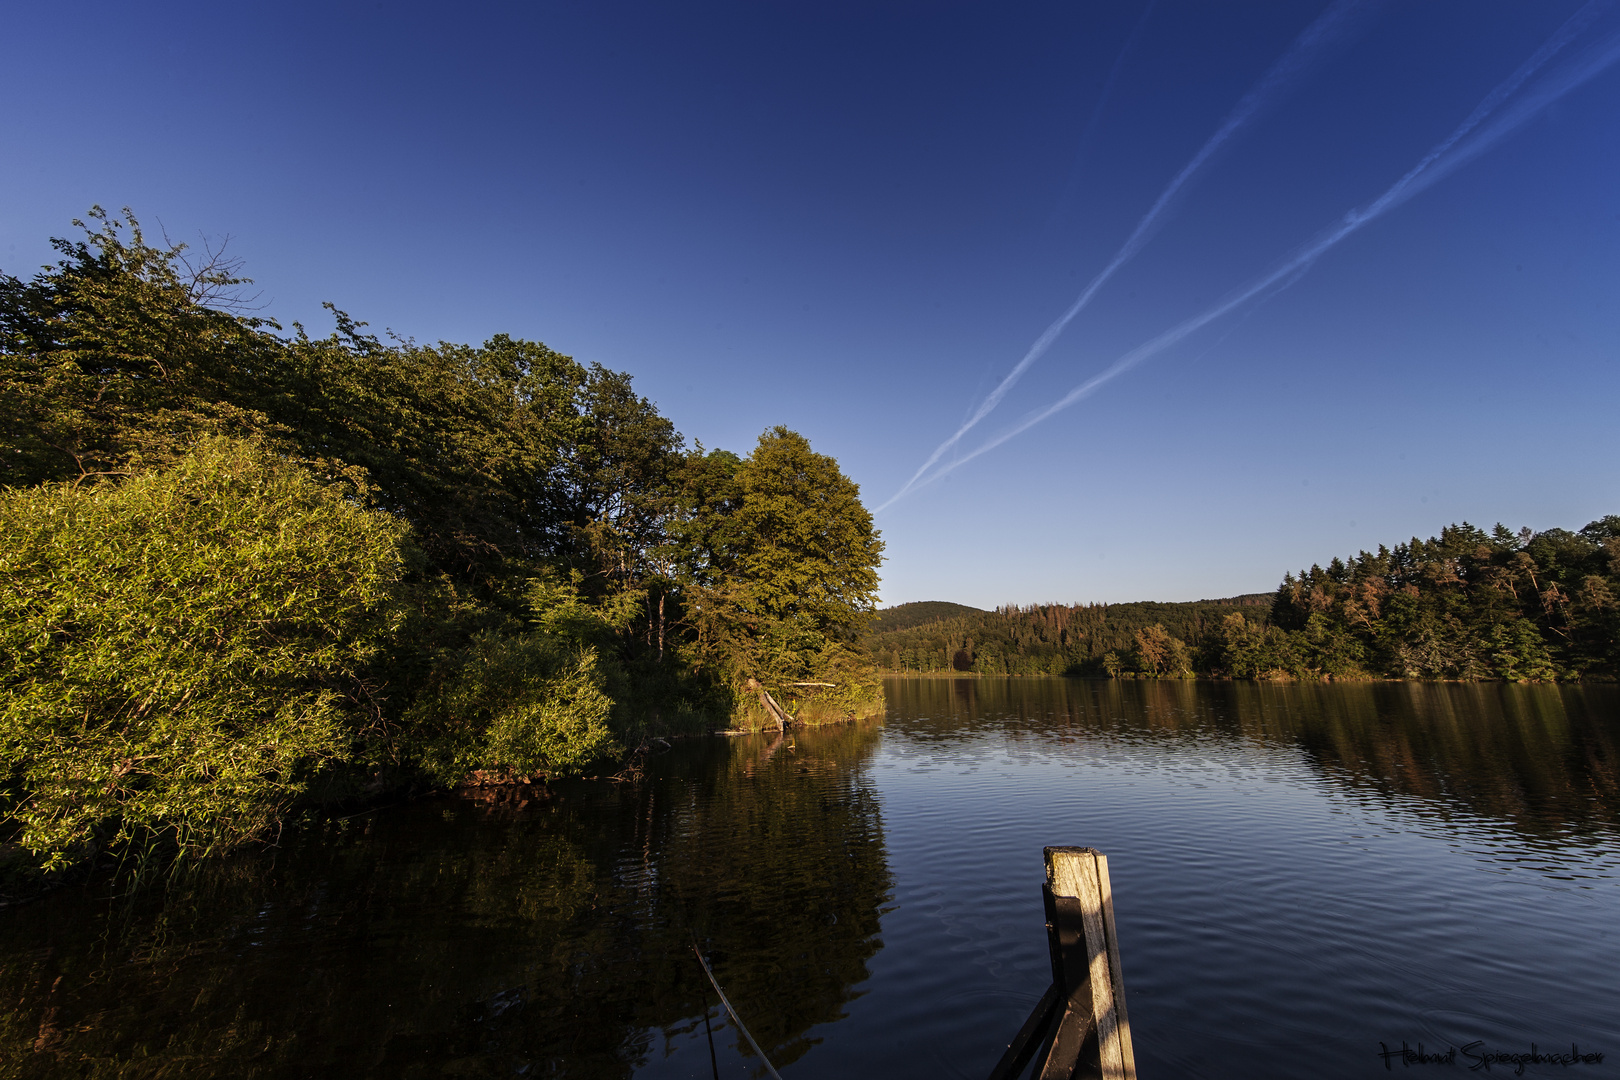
{"x": 1248, "y": 599}
{"x": 905, "y": 616}
{"x": 1042, "y": 639}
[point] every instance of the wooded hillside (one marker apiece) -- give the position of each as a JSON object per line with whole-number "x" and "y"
{"x": 1042, "y": 639}
{"x": 1468, "y": 604}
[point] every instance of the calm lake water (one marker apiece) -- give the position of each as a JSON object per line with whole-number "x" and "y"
{"x": 1301, "y": 873}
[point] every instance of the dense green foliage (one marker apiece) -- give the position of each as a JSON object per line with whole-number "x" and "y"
{"x": 1043, "y": 639}
{"x": 247, "y": 570}
{"x": 183, "y": 651}
{"x": 788, "y": 574}
{"x": 1464, "y": 605}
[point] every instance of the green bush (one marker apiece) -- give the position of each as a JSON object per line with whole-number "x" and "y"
{"x": 1518, "y": 653}
{"x": 537, "y": 701}
{"x": 517, "y": 706}
{"x": 180, "y": 654}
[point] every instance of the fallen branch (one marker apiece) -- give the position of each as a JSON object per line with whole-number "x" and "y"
{"x": 735, "y": 1018}
{"x": 770, "y": 705}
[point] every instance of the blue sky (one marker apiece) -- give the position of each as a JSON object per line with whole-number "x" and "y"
{"x": 855, "y": 219}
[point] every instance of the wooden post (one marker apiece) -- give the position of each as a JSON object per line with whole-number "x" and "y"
{"x": 772, "y": 709}
{"x": 1078, "y": 879}
{"x": 1091, "y": 1036}
{"x": 776, "y": 710}
{"x": 1117, "y": 972}
{"x": 1028, "y": 1039}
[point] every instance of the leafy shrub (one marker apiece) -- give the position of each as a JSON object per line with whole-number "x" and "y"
{"x": 517, "y": 706}
{"x": 537, "y": 701}
{"x": 181, "y": 653}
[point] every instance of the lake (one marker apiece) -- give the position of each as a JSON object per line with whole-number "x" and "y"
{"x": 1303, "y": 875}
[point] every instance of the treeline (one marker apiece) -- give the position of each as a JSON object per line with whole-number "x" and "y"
{"x": 246, "y": 570}
{"x": 1042, "y": 639}
{"x": 1466, "y": 605}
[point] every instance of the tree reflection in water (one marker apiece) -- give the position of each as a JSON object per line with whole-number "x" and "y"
{"x": 525, "y": 932}
{"x": 1542, "y": 759}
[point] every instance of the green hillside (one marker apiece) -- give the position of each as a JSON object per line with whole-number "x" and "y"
{"x": 1468, "y": 604}
{"x": 906, "y": 616}
{"x": 1042, "y": 639}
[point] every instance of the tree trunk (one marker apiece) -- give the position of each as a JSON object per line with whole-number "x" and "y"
{"x": 769, "y": 704}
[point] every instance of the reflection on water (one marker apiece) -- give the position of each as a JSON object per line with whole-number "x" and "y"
{"x": 1301, "y": 873}
{"x": 1547, "y": 759}
{"x": 514, "y": 935}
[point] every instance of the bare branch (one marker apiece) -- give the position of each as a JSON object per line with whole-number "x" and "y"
{"x": 213, "y": 278}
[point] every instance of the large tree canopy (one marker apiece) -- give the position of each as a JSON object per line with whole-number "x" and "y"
{"x": 551, "y": 573}
{"x": 801, "y": 541}
{"x": 787, "y": 566}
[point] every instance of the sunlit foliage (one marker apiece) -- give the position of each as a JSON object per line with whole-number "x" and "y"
{"x": 182, "y": 653}
{"x": 787, "y": 577}
{"x": 248, "y": 569}
{"x": 1470, "y": 605}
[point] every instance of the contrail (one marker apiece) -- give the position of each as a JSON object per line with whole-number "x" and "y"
{"x": 1097, "y": 109}
{"x": 1289, "y": 66}
{"x": 1471, "y": 138}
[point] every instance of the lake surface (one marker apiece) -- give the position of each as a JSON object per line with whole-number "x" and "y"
{"x": 1301, "y": 874}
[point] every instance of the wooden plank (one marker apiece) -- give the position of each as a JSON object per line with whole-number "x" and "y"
{"x": 1053, "y": 944}
{"x": 1028, "y": 1039}
{"x": 1074, "y": 1044}
{"x": 769, "y": 704}
{"x": 782, "y": 718}
{"x": 1061, "y": 1051}
{"x": 1073, "y": 959}
{"x": 1072, "y": 874}
{"x": 1127, "y": 1052}
{"x": 1073, "y": 1033}
{"x": 1103, "y": 1011}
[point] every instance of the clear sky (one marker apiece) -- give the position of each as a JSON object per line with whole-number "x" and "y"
{"x": 856, "y": 220}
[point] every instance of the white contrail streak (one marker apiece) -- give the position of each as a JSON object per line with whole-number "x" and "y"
{"x": 1102, "y": 103}
{"x": 1471, "y": 138}
{"x": 1289, "y": 66}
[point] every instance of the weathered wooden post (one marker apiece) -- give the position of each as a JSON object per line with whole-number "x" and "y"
{"x": 772, "y": 709}
{"x": 1092, "y": 1036}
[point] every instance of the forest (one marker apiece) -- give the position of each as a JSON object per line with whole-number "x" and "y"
{"x": 251, "y": 573}
{"x": 1043, "y": 639}
{"x": 1466, "y": 605}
